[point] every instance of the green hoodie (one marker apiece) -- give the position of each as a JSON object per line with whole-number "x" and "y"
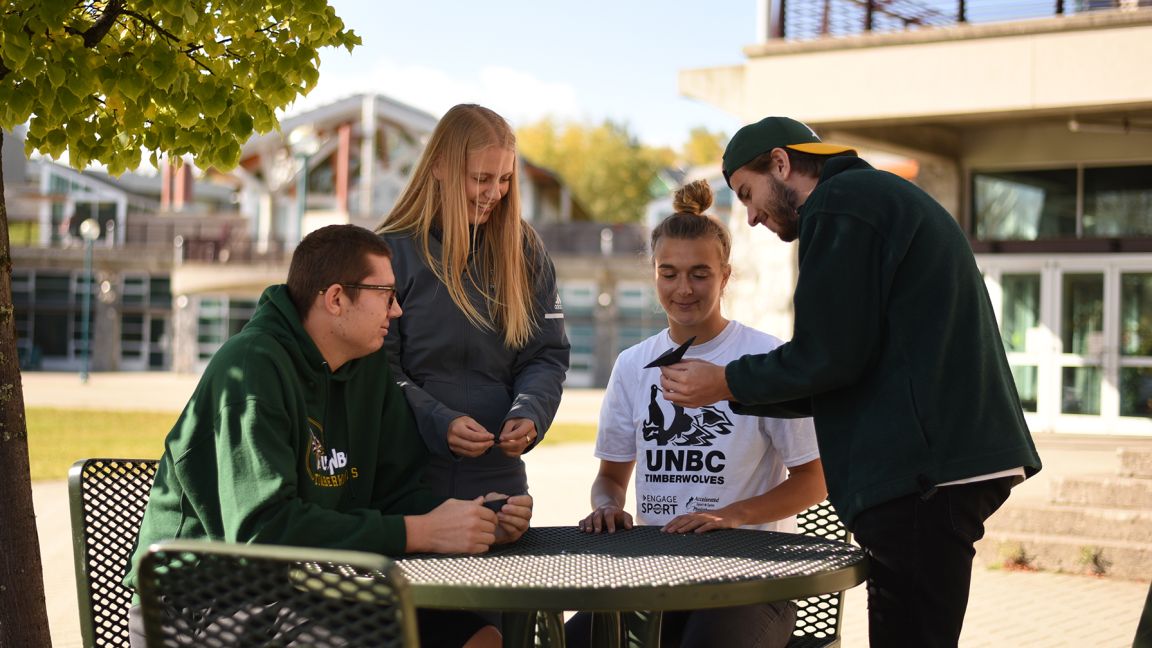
{"x": 273, "y": 448}
{"x": 895, "y": 350}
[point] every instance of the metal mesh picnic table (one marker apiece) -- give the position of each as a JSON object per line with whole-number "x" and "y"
{"x": 561, "y": 568}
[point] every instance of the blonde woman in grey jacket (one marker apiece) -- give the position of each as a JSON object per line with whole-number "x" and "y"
{"x": 481, "y": 353}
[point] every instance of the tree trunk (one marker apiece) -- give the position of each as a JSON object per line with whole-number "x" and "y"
{"x": 23, "y": 612}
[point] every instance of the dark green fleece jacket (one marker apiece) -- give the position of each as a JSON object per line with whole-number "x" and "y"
{"x": 273, "y": 448}
{"x": 896, "y": 353}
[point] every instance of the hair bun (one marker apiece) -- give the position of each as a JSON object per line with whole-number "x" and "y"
{"x": 693, "y": 198}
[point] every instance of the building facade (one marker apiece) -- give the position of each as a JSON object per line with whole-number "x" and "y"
{"x": 1033, "y": 126}
{"x": 176, "y": 261}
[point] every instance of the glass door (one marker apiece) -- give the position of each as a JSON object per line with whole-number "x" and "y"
{"x": 1082, "y": 350}
{"x": 1024, "y": 338}
{"x": 1077, "y": 330}
{"x": 1135, "y": 346}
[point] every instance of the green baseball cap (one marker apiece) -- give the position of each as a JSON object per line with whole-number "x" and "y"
{"x": 773, "y": 132}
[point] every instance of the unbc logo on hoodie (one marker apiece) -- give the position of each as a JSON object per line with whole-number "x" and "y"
{"x": 327, "y": 467}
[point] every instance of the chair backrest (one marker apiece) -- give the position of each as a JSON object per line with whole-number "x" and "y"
{"x": 203, "y": 593}
{"x": 818, "y": 617}
{"x": 107, "y": 498}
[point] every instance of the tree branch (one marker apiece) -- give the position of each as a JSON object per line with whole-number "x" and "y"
{"x": 103, "y": 24}
{"x": 151, "y": 23}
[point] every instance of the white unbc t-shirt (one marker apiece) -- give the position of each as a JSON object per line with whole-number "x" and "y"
{"x": 696, "y": 459}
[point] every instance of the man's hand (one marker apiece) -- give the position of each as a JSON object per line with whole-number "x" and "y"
{"x": 701, "y": 522}
{"x": 467, "y": 438}
{"x": 694, "y": 383}
{"x": 514, "y": 517}
{"x": 606, "y": 518}
{"x": 516, "y": 436}
{"x": 456, "y": 526}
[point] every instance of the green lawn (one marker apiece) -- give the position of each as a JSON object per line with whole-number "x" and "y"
{"x": 58, "y": 437}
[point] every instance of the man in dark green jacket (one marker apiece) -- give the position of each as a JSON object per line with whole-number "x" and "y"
{"x": 897, "y": 356}
{"x": 296, "y": 435}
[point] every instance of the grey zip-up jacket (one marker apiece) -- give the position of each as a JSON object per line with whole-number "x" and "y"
{"x": 449, "y": 368}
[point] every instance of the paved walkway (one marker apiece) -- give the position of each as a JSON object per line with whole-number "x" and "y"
{"x": 1025, "y": 609}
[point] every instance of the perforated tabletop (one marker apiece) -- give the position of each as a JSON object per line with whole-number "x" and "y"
{"x": 561, "y": 568}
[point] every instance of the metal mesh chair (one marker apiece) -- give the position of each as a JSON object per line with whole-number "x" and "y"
{"x": 107, "y": 498}
{"x": 818, "y": 617}
{"x": 218, "y": 594}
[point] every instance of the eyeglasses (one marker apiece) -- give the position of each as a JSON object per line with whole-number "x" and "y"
{"x": 391, "y": 290}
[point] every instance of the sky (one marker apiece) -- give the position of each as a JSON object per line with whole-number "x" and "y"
{"x": 528, "y": 59}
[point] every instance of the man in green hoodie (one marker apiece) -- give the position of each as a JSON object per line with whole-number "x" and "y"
{"x": 296, "y": 435}
{"x": 897, "y": 356}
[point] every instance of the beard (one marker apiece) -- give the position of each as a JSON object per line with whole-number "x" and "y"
{"x": 782, "y": 210}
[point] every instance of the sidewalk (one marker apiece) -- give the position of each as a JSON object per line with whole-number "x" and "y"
{"x": 1025, "y": 609}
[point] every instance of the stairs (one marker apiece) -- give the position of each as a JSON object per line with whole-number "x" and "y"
{"x": 1088, "y": 524}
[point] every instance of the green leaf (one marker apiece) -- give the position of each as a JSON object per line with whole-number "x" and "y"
{"x": 53, "y": 12}
{"x": 14, "y": 49}
{"x": 56, "y": 75}
{"x": 130, "y": 85}
{"x": 187, "y": 116}
{"x": 215, "y": 103}
{"x": 20, "y": 101}
{"x": 241, "y": 124}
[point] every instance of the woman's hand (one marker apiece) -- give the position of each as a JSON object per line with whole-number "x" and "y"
{"x": 516, "y": 436}
{"x": 467, "y": 438}
{"x": 701, "y": 522}
{"x": 606, "y": 518}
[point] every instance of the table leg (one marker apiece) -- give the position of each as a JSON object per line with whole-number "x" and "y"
{"x": 550, "y": 629}
{"x": 641, "y": 628}
{"x": 606, "y": 629}
{"x": 519, "y": 629}
{"x": 626, "y": 630}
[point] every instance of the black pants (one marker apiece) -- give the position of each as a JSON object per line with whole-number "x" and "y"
{"x": 920, "y": 549}
{"x": 1144, "y": 628}
{"x": 767, "y": 625}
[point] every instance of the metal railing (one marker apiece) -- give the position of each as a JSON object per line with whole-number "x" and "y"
{"x": 812, "y": 19}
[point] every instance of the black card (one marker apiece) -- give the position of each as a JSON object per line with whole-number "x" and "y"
{"x": 496, "y": 504}
{"x": 671, "y": 356}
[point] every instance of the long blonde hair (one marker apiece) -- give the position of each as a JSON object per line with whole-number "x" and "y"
{"x": 508, "y": 249}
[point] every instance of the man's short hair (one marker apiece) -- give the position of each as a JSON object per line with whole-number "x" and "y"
{"x": 805, "y": 164}
{"x": 331, "y": 254}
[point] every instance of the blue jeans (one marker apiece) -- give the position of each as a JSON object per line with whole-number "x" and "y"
{"x": 920, "y": 549}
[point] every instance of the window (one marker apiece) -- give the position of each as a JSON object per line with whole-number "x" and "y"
{"x": 1136, "y": 314}
{"x": 1026, "y": 378}
{"x": 1070, "y": 203}
{"x": 1025, "y": 205}
{"x": 1118, "y": 201}
{"x": 160, "y": 292}
{"x": 1136, "y": 391}
{"x": 1020, "y": 321}
{"x": 53, "y": 289}
{"x": 1082, "y": 334}
{"x": 220, "y": 319}
{"x": 134, "y": 291}
{"x": 1021, "y": 308}
{"x": 638, "y": 299}
{"x": 578, "y": 298}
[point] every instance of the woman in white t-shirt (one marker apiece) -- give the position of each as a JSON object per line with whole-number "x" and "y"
{"x": 699, "y": 469}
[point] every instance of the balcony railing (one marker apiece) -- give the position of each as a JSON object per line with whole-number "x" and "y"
{"x": 812, "y": 19}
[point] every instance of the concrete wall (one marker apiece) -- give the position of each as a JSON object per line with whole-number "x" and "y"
{"x": 961, "y": 72}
